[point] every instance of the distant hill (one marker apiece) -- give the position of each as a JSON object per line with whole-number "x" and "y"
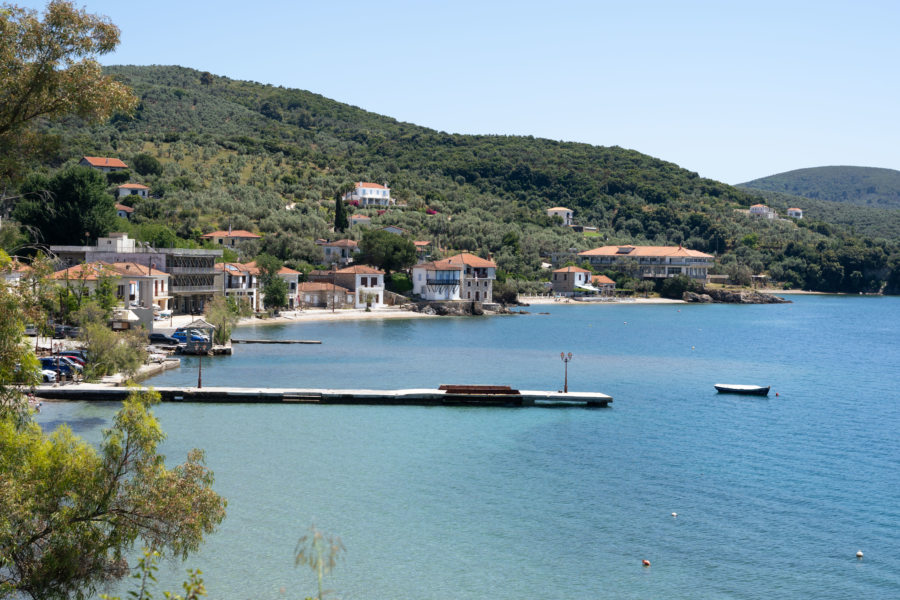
{"x": 863, "y": 186}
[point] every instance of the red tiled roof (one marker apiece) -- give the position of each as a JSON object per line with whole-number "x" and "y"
{"x": 439, "y": 265}
{"x": 644, "y": 251}
{"x": 319, "y": 286}
{"x": 132, "y": 186}
{"x": 421, "y": 243}
{"x": 471, "y": 260}
{"x": 365, "y": 184}
{"x": 287, "y": 271}
{"x": 602, "y": 279}
{"x": 360, "y": 270}
{"x": 127, "y": 209}
{"x": 93, "y": 271}
{"x": 237, "y": 233}
{"x": 102, "y": 161}
{"x": 360, "y": 218}
{"x": 800, "y": 209}
{"x": 571, "y": 270}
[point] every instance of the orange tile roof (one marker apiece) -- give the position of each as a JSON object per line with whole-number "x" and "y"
{"x": 132, "y": 186}
{"x": 365, "y": 184}
{"x": 102, "y": 161}
{"x": 361, "y": 217}
{"x": 800, "y": 209}
{"x": 237, "y": 233}
{"x": 319, "y": 286}
{"x": 758, "y": 206}
{"x": 470, "y": 260}
{"x": 602, "y": 279}
{"x": 93, "y": 271}
{"x": 123, "y": 207}
{"x": 421, "y": 243}
{"x": 288, "y": 271}
{"x": 654, "y": 251}
{"x": 360, "y": 270}
{"x": 439, "y": 265}
{"x": 571, "y": 270}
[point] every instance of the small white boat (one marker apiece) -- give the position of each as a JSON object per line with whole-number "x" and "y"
{"x": 737, "y": 388}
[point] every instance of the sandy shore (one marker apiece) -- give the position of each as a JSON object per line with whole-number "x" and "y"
{"x": 301, "y": 316}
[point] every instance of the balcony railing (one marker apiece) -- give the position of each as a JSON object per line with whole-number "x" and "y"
{"x": 454, "y": 282}
{"x": 193, "y": 271}
{"x": 187, "y": 289}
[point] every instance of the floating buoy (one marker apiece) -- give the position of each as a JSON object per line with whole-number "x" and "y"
{"x": 645, "y": 562}
{"x": 692, "y": 347}
{"x": 859, "y": 554}
{"x": 777, "y": 394}
{"x": 674, "y": 515}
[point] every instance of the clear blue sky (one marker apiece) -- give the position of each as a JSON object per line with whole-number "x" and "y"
{"x": 732, "y": 90}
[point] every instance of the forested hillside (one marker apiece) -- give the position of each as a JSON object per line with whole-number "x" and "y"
{"x": 863, "y": 186}
{"x": 218, "y": 153}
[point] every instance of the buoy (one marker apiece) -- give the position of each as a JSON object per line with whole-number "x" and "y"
{"x": 692, "y": 347}
{"x": 859, "y": 554}
{"x": 777, "y": 394}
{"x": 674, "y": 515}
{"x": 645, "y": 562}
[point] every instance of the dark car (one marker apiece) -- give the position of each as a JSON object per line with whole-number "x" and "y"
{"x": 76, "y": 352}
{"x": 162, "y": 339}
{"x": 51, "y": 364}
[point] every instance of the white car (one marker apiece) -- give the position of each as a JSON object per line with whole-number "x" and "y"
{"x": 48, "y": 376}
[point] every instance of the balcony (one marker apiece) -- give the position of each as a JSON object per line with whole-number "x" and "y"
{"x": 193, "y": 289}
{"x": 452, "y": 282}
{"x": 193, "y": 271}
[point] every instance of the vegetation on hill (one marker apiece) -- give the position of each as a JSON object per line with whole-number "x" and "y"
{"x": 863, "y": 186}
{"x": 218, "y": 153}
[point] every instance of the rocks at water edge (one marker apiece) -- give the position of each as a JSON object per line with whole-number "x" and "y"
{"x": 733, "y": 297}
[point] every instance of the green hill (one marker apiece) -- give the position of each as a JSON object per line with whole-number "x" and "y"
{"x": 863, "y": 186}
{"x": 270, "y": 160}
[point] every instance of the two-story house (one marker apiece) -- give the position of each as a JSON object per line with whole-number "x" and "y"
{"x": 566, "y": 214}
{"x": 651, "y": 262}
{"x": 366, "y": 282}
{"x": 134, "y": 284}
{"x": 478, "y": 275}
{"x": 230, "y": 239}
{"x": 568, "y": 280}
{"x": 762, "y": 211}
{"x": 338, "y": 252}
{"x": 369, "y": 194}
{"x": 438, "y": 280}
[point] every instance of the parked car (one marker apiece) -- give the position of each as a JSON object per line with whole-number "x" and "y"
{"x": 52, "y": 364}
{"x": 182, "y": 337}
{"x": 73, "y": 332}
{"x": 76, "y": 359}
{"x": 48, "y": 376}
{"x": 72, "y": 362}
{"x": 162, "y": 339}
{"x": 77, "y": 352}
{"x": 31, "y": 330}
{"x": 64, "y": 331}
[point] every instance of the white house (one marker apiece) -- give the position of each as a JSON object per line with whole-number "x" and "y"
{"x": 103, "y": 164}
{"x": 438, "y": 280}
{"x": 230, "y": 239}
{"x": 132, "y": 189}
{"x": 762, "y": 211}
{"x": 651, "y": 262}
{"x": 323, "y": 295}
{"x": 366, "y": 282}
{"x": 568, "y": 280}
{"x": 369, "y": 194}
{"x": 566, "y": 214}
{"x": 339, "y": 251}
{"x": 135, "y": 284}
{"x": 795, "y": 213}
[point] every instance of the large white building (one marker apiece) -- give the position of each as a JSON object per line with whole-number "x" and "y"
{"x": 461, "y": 277}
{"x": 369, "y": 194}
{"x": 651, "y": 262}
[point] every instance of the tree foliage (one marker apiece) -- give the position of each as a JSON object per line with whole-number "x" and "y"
{"x": 48, "y": 69}
{"x": 71, "y": 512}
{"x": 387, "y": 251}
{"x": 68, "y": 208}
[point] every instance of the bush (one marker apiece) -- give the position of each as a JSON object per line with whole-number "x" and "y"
{"x": 675, "y": 287}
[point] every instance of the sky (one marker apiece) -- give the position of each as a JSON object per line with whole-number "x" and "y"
{"x": 734, "y": 90}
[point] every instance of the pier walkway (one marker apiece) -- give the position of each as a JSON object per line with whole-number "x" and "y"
{"x": 411, "y": 397}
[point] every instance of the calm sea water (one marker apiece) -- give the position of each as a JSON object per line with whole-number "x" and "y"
{"x": 774, "y": 496}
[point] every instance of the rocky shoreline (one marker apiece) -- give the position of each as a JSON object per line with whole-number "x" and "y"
{"x": 718, "y": 295}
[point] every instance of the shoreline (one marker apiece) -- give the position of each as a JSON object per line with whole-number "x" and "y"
{"x": 550, "y": 300}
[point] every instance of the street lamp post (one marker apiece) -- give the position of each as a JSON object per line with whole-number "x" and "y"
{"x": 566, "y": 358}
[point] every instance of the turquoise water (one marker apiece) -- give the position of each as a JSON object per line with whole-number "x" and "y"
{"x": 774, "y": 496}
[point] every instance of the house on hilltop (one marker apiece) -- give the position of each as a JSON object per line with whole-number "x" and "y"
{"x": 795, "y": 213}
{"x": 231, "y": 239}
{"x": 369, "y": 194}
{"x": 123, "y": 211}
{"x": 566, "y": 214}
{"x": 762, "y": 211}
{"x": 103, "y": 163}
{"x": 132, "y": 189}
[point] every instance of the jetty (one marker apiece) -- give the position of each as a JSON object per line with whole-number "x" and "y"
{"x": 448, "y": 396}
{"x": 233, "y": 341}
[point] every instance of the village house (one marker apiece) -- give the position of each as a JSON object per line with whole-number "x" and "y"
{"x": 569, "y": 280}
{"x": 103, "y": 164}
{"x": 762, "y": 211}
{"x": 194, "y": 279}
{"x": 438, "y": 280}
{"x": 132, "y": 189}
{"x": 423, "y": 249}
{"x": 477, "y": 282}
{"x": 795, "y": 213}
{"x": 124, "y": 211}
{"x": 230, "y": 239}
{"x": 366, "y": 282}
{"x": 394, "y": 229}
{"x": 240, "y": 283}
{"x": 14, "y": 272}
{"x": 135, "y": 285}
{"x": 359, "y": 220}
{"x": 651, "y": 262}
{"x": 603, "y": 283}
{"x": 566, "y": 214}
{"x": 339, "y": 252}
{"x": 369, "y": 194}
{"x": 324, "y": 295}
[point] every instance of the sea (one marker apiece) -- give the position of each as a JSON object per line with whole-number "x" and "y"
{"x": 726, "y": 496}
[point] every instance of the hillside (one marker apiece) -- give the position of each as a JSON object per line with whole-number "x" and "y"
{"x": 270, "y": 160}
{"x": 863, "y": 186}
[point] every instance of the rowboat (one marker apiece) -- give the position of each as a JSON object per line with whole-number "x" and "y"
{"x": 736, "y": 388}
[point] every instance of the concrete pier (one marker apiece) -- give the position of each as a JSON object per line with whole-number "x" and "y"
{"x": 410, "y": 397}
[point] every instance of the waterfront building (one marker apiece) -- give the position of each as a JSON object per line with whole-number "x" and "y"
{"x": 135, "y": 285}
{"x": 438, "y": 280}
{"x": 324, "y": 295}
{"x": 194, "y": 279}
{"x": 568, "y": 280}
{"x": 366, "y": 282}
{"x": 603, "y": 283}
{"x": 478, "y": 275}
{"x": 651, "y": 262}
